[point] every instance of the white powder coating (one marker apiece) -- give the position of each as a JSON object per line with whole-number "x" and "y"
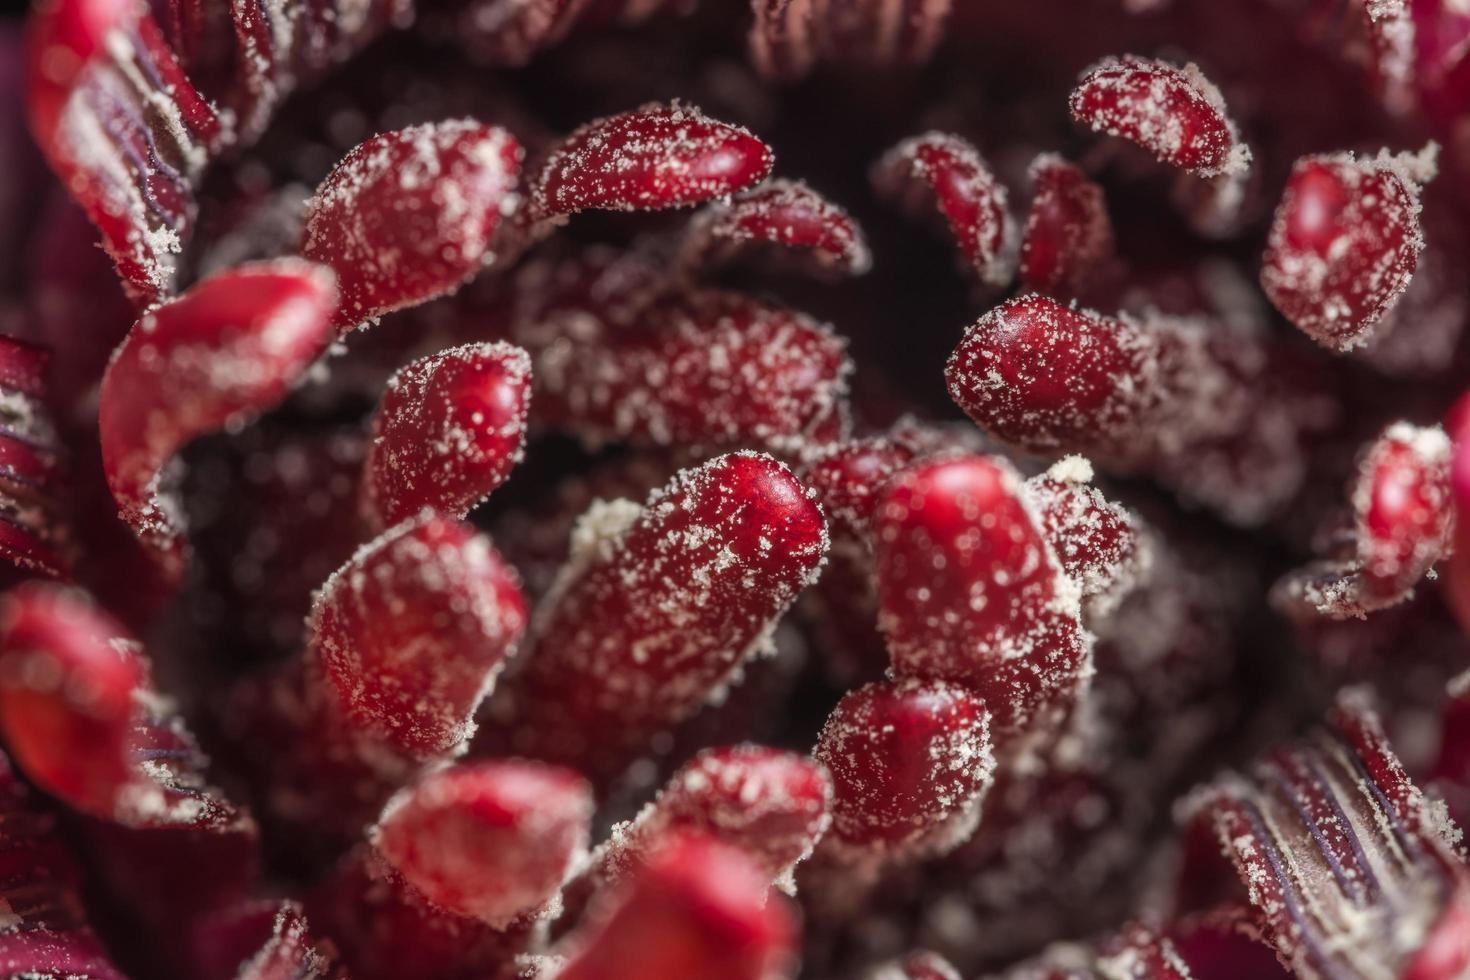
{"x": 722, "y": 232}
{"x": 1391, "y": 33}
{"x": 662, "y": 615}
{"x": 716, "y": 372}
{"x": 655, "y": 157}
{"x": 736, "y": 796}
{"x": 115, "y": 108}
{"x": 870, "y": 826}
{"x": 1341, "y": 588}
{"x": 408, "y": 215}
{"x": 1162, "y": 108}
{"x": 1348, "y": 870}
{"x": 412, "y": 632}
{"x": 941, "y": 171}
{"x": 425, "y": 440}
{"x": 1339, "y": 292}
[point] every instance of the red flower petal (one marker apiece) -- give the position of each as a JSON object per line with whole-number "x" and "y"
{"x": 448, "y": 432}
{"x": 938, "y": 171}
{"x": 1067, "y": 232}
{"x": 1175, "y": 113}
{"x": 698, "y": 909}
{"x": 409, "y": 215}
{"x": 1344, "y": 243}
{"x": 656, "y": 157}
{"x": 660, "y": 607}
{"x": 972, "y": 593}
{"x": 715, "y": 370}
{"x": 489, "y": 840}
{"x": 411, "y": 632}
{"x": 780, "y": 216}
{"x": 227, "y": 350}
{"x": 910, "y": 764}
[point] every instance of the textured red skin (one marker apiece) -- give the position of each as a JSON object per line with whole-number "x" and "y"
{"x": 228, "y": 349}
{"x": 66, "y": 697}
{"x": 447, "y": 433}
{"x": 769, "y": 804}
{"x": 1222, "y": 944}
{"x": 909, "y": 764}
{"x": 950, "y": 530}
{"x": 1068, "y": 233}
{"x": 140, "y": 166}
{"x": 262, "y": 940}
{"x": 697, "y": 909}
{"x": 406, "y": 652}
{"x": 712, "y": 370}
{"x": 850, "y": 477}
{"x": 40, "y": 882}
{"x": 788, "y": 218}
{"x": 1094, "y": 388}
{"x": 639, "y": 638}
{"x": 1403, "y": 526}
{"x": 1096, "y": 542}
{"x": 790, "y": 37}
{"x": 429, "y": 198}
{"x": 489, "y": 840}
{"x": 944, "y": 172}
{"x": 1358, "y": 222}
{"x": 1156, "y": 105}
{"x": 655, "y": 157}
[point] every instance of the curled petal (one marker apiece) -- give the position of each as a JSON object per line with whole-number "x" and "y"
{"x": 124, "y": 128}
{"x": 448, "y": 432}
{"x": 938, "y": 171}
{"x": 1175, "y": 113}
{"x": 1345, "y": 242}
{"x": 409, "y": 215}
{"x": 230, "y": 348}
{"x": 713, "y": 370}
{"x": 1067, "y": 233}
{"x": 779, "y": 216}
{"x": 910, "y": 763}
{"x": 412, "y": 631}
{"x": 650, "y": 159}
{"x": 697, "y": 909}
{"x": 67, "y": 689}
{"x": 1404, "y": 522}
{"x": 971, "y": 591}
{"x": 659, "y": 608}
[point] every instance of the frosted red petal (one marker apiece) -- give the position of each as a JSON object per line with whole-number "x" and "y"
{"x": 971, "y": 592}
{"x": 409, "y": 215}
{"x": 34, "y": 535}
{"x": 655, "y": 157}
{"x": 67, "y": 687}
{"x": 450, "y": 428}
{"x": 769, "y": 804}
{"x": 697, "y": 909}
{"x": 1067, "y": 233}
{"x": 714, "y": 370}
{"x": 780, "y": 215}
{"x": 490, "y": 840}
{"x": 1175, "y": 113}
{"x": 910, "y": 764}
{"x": 849, "y": 479}
{"x": 228, "y": 349}
{"x": 1344, "y": 244}
{"x": 661, "y": 605}
{"x": 411, "y": 632}
{"x": 940, "y": 171}
{"x": 1403, "y": 525}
